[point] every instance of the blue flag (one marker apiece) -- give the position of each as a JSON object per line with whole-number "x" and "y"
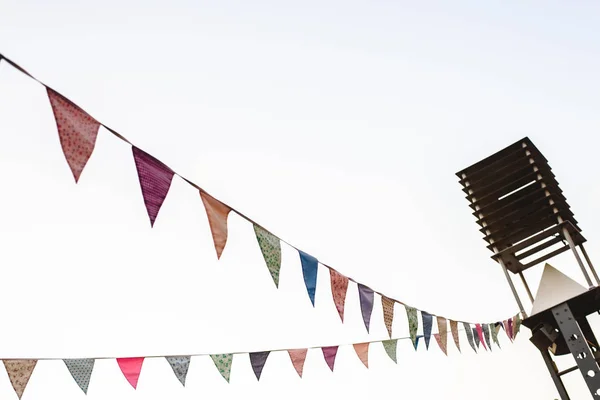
{"x": 310, "y": 266}
{"x": 427, "y": 323}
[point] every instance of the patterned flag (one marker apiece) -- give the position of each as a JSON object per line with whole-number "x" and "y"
{"x": 413, "y": 323}
{"x": 310, "y": 266}
{"x": 81, "y": 370}
{"x": 19, "y": 372}
{"x": 442, "y": 337}
{"x": 495, "y": 329}
{"x": 366, "y": 296}
{"x": 454, "y": 330}
{"x": 469, "y": 333}
{"x": 476, "y": 337}
{"x": 486, "y": 334}
{"x": 390, "y": 347}
{"x": 438, "y": 339}
{"x": 339, "y": 287}
{"x": 479, "y": 333}
{"x": 131, "y": 368}
{"x": 223, "y": 363}
{"x": 362, "y": 351}
{"x": 427, "y": 324}
{"x": 270, "y": 246}
{"x": 329, "y": 353}
{"x": 217, "y": 214}
{"x": 258, "y": 360}
{"x": 298, "y": 357}
{"x": 77, "y": 131}
{"x": 155, "y": 180}
{"x": 180, "y": 366}
{"x": 516, "y": 325}
{"x": 387, "y": 305}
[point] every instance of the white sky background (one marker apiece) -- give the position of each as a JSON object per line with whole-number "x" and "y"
{"x": 337, "y": 125}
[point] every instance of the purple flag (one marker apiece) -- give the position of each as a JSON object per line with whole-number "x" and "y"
{"x": 155, "y": 180}
{"x": 329, "y": 353}
{"x": 367, "y": 296}
{"x": 258, "y": 362}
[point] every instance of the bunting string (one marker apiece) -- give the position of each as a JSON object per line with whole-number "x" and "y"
{"x": 78, "y": 131}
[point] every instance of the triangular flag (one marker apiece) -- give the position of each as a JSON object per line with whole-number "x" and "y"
{"x": 19, "y": 372}
{"x": 81, "y": 370}
{"x": 469, "y": 333}
{"x": 258, "y": 360}
{"x": 438, "y": 339}
{"x": 362, "y": 351}
{"x": 155, "y": 180}
{"x": 427, "y": 324}
{"x": 486, "y": 334}
{"x": 387, "y": 305}
{"x": 413, "y": 323}
{"x": 339, "y": 287}
{"x": 509, "y": 329}
{"x": 495, "y": 329}
{"x": 77, "y": 131}
{"x": 454, "y": 330}
{"x": 180, "y": 367}
{"x": 418, "y": 337}
{"x": 131, "y": 368}
{"x": 329, "y": 353}
{"x": 270, "y": 246}
{"x": 390, "y": 347}
{"x": 516, "y": 325}
{"x": 310, "y": 265}
{"x": 479, "y": 332}
{"x": 476, "y": 337}
{"x": 443, "y": 334}
{"x": 217, "y": 214}
{"x": 366, "y": 296}
{"x": 298, "y": 357}
{"x": 223, "y": 363}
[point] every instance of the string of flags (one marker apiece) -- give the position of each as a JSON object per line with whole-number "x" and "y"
{"x": 20, "y": 370}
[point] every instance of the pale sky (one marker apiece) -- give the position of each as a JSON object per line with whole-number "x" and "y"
{"x": 339, "y": 126}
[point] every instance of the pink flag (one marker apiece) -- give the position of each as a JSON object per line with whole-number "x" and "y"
{"x": 508, "y": 328}
{"x": 339, "y": 287}
{"x": 155, "y": 180}
{"x": 329, "y": 353}
{"x": 77, "y": 131}
{"x": 217, "y": 213}
{"x": 362, "y": 351}
{"x": 442, "y": 345}
{"x": 480, "y": 334}
{"x": 131, "y": 368}
{"x": 298, "y": 357}
{"x": 388, "y": 313}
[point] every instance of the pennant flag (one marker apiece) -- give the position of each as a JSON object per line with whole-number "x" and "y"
{"x": 223, "y": 363}
{"x": 362, "y": 351}
{"x": 155, "y": 180}
{"x": 217, "y": 214}
{"x": 258, "y": 360}
{"x": 339, "y": 287}
{"x": 509, "y": 329}
{"x": 298, "y": 357}
{"x": 77, "y": 131}
{"x": 427, "y": 324}
{"x": 19, "y": 372}
{"x": 469, "y": 333}
{"x": 329, "y": 353}
{"x": 479, "y": 332}
{"x": 486, "y": 334}
{"x": 180, "y": 367}
{"x": 310, "y": 265}
{"x": 81, "y": 370}
{"x": 476, "y": 337}
{"x": 413, "y": 323}
{"x": 366, "y": 296}
{"x": 442, "y": 337}
{"x": 390, "y": 347}
{"x": 131, "y": 368}
{"x": 270, "y": 246}
{"x": 418, "y": 337}
{"x": 442, "y": 345}
{"x": 495, "y": 329}
{"x": 387, "y": 305}
{"x": 454, "y": 329}
{"x": 516, "y": 325}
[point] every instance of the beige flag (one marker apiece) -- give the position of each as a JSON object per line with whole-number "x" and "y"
{"x": 19, "y": 372}
{"x": 362, "y": 351}
{"x": 387, "y": 305}
{"x": 217, "y": 213}
{"x": 454, "y": 330}
{"x": 443, "y": 333}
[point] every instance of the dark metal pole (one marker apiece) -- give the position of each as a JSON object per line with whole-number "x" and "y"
{"x": 560, "y": 386}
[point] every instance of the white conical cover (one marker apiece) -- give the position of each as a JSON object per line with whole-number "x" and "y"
{"x": 555, "y": 288}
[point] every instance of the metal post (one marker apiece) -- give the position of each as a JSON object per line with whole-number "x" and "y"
{"x": 574, "y": 250}
{"x": 512, "y": 287}
{"x": 560, "y": 386}
{"x": 526, "y": 286}
{"x": 589, "y": 262}
{"x": 570, "y": 330}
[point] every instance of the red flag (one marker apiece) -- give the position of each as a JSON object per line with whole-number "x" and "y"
{"x": 155, "y": 180}
{"x": 131, "y": 368}
{"x": 339, "y": 287}
{"x": 77, "y": 131}
{"x": 480, "y": 335}
{"x": 217, "y": 214}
